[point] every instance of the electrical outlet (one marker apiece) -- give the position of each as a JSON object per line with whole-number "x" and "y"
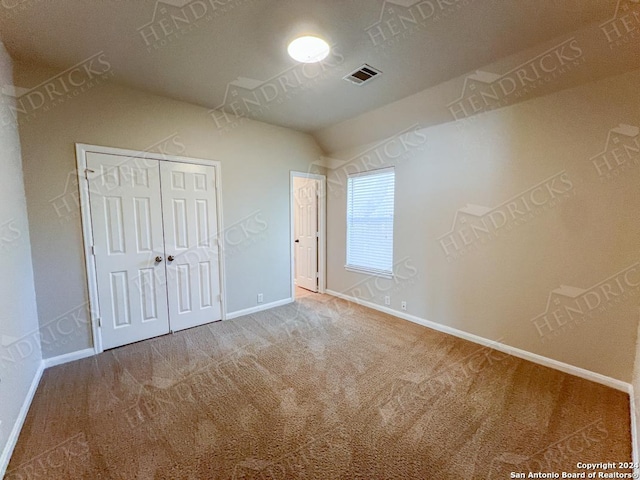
{"x": 387, "y": 300}
{"x": 260, "y": 298}
{"x": 403, "y": 305}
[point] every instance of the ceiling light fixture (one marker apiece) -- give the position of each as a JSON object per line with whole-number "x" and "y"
{"x": 308, "y": 49}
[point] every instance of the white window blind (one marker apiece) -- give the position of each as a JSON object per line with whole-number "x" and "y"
{"x": 370, "y": 199}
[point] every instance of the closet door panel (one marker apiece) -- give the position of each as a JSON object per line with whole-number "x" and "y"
{"x": 191, "y": 242}
{"x": 125, "y": 203}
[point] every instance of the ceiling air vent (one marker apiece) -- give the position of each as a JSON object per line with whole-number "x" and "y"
{"x": 364, "y": 74}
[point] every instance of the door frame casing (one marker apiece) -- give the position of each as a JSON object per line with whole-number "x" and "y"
{"x": 322, "y": 228}
{"x": 82, "y": 150}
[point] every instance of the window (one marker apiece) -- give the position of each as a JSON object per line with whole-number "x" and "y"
{"x": 370, "y": 198}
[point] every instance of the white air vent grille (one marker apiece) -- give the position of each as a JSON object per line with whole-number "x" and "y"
{"x": 364, "y": 74}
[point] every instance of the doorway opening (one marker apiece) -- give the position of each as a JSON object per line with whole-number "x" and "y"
{"x": 308, "y": 233}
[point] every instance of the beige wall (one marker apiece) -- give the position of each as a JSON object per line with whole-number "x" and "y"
{"x": 20, "y": 354}
{"x": 256, "y": 161}
{"x": 587, "y": 234}
{"x": 580, "y": 239}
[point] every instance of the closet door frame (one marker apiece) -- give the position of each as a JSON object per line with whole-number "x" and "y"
{"x": 82, "y": 150}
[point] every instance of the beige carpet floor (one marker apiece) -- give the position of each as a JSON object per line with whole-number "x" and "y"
{"x": 319, "y": 389}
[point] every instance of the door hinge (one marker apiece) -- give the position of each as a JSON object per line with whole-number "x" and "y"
{"x": 99, "y": 322}
{"x": 317, "y": 234}
{"x": 93, "y": 250}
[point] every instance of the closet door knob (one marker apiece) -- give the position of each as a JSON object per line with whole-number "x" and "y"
{"x": 158, "y": 259}
{"x": 171, "y": 258}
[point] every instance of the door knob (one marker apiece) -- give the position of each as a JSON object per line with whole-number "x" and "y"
{"x": 171, "y": 258}
{"x": 158, "y": 259}
{"x": 297, "y": 240}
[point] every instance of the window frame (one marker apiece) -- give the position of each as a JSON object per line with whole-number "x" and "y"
{"x": 359, "y": 268}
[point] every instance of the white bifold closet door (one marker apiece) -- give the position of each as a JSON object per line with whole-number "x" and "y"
{"x": 155, "y": 245}
{"x": 191, "y": 242}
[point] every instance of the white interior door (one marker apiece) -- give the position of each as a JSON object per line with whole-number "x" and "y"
{"x": 191, "y": 242}
{"x": 306, "y": 233}
{"x": 124, "y": 198}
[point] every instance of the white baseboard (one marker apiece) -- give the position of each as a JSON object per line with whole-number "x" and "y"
{"x": 516, "y": 352}
{"x": 258, "y": 308}
{"x": 68, "y": 357}
{"x": 5, "y": 456}
{"x": 535, "y": 358}
{"x": 22, "y": 415}
{"x": 635, "y": 451}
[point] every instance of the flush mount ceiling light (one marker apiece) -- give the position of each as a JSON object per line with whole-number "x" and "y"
{"x": 308, "y": 49}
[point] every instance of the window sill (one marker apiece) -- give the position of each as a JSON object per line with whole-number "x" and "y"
{"x": 369, "y": 271}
